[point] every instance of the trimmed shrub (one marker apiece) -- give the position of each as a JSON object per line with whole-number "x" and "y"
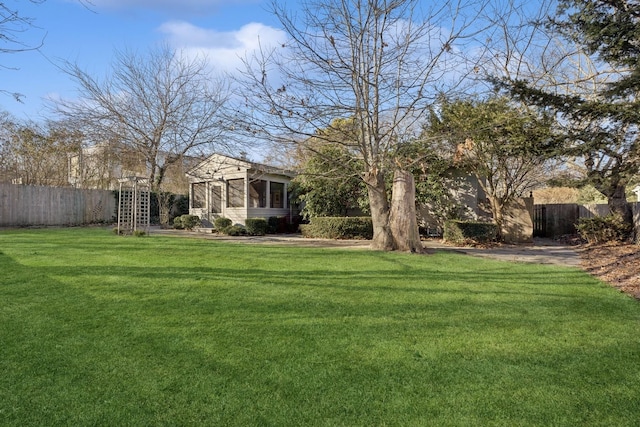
{"x": 235, "y": 230}
{"x": 469, "y": 232}
{"x": 179, "y": 207}
{"x": 177, "y": 223}
{"x": 222, "y": 223}
{"x": 187, "y": 222}
{"x": 277, "y": 224}
{"x": 602, "y": 229}
{"x": 256, "y": 226}
{"x": 339, "y": 228}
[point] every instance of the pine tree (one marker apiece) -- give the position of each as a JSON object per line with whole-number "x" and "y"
{"x": 600, "y": 118}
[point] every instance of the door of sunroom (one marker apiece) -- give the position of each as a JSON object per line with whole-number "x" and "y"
{"x": 215, "y": 205}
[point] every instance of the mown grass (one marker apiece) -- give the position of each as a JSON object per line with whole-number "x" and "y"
{"x": 97, "y": 329}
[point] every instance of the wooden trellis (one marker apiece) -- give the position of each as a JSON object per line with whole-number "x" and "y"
{"x": 133, "y": 205}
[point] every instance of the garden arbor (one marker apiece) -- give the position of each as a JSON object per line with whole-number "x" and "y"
{"x": 133, "y": 205}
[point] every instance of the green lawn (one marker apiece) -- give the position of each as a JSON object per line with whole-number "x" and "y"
{"x": 97, "y": 329}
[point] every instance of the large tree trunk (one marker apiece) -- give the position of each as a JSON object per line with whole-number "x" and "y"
{"x": 403, "y": 222}
{"x": 164, "y": 207}
{"x": 618, "y": 204}
{"x": 616, "y": 199}
{"x": 382, "y": 237}
{"x": 497, "y": 212}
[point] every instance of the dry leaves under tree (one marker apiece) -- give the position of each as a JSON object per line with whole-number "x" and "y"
{"x": 615, "y": 264}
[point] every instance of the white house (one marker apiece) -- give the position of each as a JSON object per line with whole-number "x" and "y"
{"x": 236, "y": 188}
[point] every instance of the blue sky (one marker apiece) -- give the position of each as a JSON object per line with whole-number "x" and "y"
{"x": 89, "y": 34}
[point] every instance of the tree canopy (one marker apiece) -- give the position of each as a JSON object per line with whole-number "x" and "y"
{"x": 504, "y": 145}
{"x": 598, "y": 111}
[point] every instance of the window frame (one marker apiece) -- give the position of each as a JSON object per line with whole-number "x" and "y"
{"x": 236, "y": 193}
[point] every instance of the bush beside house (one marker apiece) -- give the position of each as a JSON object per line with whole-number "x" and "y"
{"x": 469, "y": 232}
{"x": 339, "y": 228}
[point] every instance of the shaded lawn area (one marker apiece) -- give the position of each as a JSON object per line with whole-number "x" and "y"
{"x": 97, "y": 329}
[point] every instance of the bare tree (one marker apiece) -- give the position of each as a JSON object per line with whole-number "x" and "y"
{"x": 7, "y": 128}
{"x": 35, "y": 153}
{"x": 380, "y": 63}
{"x": 162, "y": 106}
{"x": 12, "y": 26}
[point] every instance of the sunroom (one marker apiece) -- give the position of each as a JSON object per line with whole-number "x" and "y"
{"x": 236, "y": 188}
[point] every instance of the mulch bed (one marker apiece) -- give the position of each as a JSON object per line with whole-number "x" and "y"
{"x": 616, "y": 264}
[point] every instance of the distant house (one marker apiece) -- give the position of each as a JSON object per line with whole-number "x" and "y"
{"x": 236, "y": 188}
{"x": 470, "y": 203}
{"x": 465, "y": 200}
{"x": 100, "y": 166}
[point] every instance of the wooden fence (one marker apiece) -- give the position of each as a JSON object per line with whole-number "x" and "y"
{"x": 555, "y": 220}
{"x": 26, "y": 205}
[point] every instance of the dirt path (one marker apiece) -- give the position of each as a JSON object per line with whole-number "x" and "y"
{"x": 543, "y": 251}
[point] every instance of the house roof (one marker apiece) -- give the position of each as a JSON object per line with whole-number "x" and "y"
{"x": 220, "y": 160}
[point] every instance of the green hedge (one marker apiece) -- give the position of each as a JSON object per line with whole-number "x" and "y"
{"x": 256, "y": 226}
{"x": 467, "y": 232}
{"x": 186, "y": 222}
{"x": 235, "y": 230}
{"x": 222, "y": 223}
{"x": 602, "y": 229}
{"x": 278, "y": 224}
{"x": 339, "y": 228}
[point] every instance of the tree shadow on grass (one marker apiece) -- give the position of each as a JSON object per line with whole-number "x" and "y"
{"x": 138, "y": 344}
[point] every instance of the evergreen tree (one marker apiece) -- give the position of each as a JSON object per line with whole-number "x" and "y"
{"x": 599, "y": 112}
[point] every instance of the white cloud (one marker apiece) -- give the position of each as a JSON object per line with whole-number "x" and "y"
{"x": 224, "y": 50}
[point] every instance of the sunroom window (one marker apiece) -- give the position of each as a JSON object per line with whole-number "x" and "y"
{"x": 235, "y": 193}
{"x": 258, "y": 194}
{"x": 277, "y": 195}
{"x": 198, "y": 194}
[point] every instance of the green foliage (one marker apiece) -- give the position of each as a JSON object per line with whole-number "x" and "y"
{"x": 256, "y": 226}
{"x": 339, "y": 228}
{"x": 330, "y": 183}
{"x": 139, "y": 233}
{"x": 278, "y": 224}
{"x": 469, "y": 232}
{"x": 235, "y": 230}
{"x": 599, "y": 114}
{"x": 225, "y": 226}
{"x": 154, "y": 208}
{"x": 438, "y": 182}
{"x": 602, "y": 229}
{"x": 167, "y": 207}
{"x": 221, "y": 223}
{"x": 187, "y": 222}
{"x": 179, "y": 206}
{"x": 482, "y": 133}
{"x": 504, "y": 145}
